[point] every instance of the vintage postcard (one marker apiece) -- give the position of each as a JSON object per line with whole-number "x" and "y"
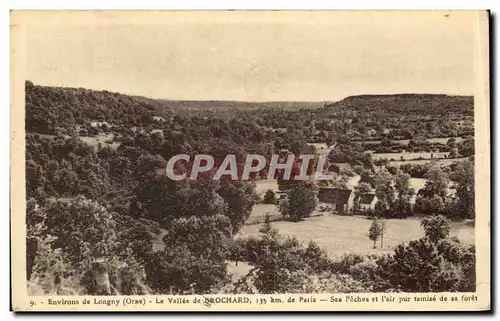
{"x": 250, "y": 161}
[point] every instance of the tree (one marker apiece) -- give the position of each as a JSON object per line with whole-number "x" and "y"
{"x": 367, "y": 176}
{"x": 437, "y": 183}
{"x": 163, "y": 200}
{"x": 466, "y": 148}
{"x": 383, "y": 229}
{"x": 82, "y": 227}
{"x": 266, "y": 228}
{"x": 194, "y": 258}
{"x": 360, "y": 190}
{"x": 374, "y": 232}
{"x": 463, "y": 177}
{"x": 433, "y": 197}
{"x": 412, "y": 268}
{"x": 239, "y": 197}
{"x": 201, "y": 234}
{"x": 436, "y": 227}
{"x": 402, "y": 206}
{"x": 83, "y": 246}
{"x": 269, "y": 197}
{"x": 178, "y": 270}
{"x": 34, "y": 177}
{"x": 300, "y": 202}
{"x": 425, "y": 266}
{"x": 384, "y": 191}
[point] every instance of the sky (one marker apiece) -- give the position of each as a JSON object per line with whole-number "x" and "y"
{"x": 253, "y": 56}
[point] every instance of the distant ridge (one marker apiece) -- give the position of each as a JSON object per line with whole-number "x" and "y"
{"x": 404, "y": 96}
{"x": 220, "y": 103}
{"x": 425, "y": 104}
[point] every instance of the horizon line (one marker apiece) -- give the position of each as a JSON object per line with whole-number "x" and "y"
{"x": 258, "y": 101}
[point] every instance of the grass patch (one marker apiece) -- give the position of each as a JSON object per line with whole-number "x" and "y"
{"x": 344, "y": 234}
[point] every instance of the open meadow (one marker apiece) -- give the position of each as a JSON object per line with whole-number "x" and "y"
{"x": 410, "y": 156}
{"x": 441, "y": 162}
{"x": 405, "y": 142}
{"x": 340, "y": 235}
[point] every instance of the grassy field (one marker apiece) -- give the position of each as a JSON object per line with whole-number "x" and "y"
{"x": 442, "y": 140}
{"x": 259, "y": 212}
{"x": 343, "y": 234}
{"x": 445, "y": 162}
{"x": 101, "y": 138}
{"x": 417, "y": 183}
{"x": 409, "y": 156}
{"x": 238, "y": 271}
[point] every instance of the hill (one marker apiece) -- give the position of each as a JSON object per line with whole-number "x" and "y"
{"x": 406, "y": 104}
{"x": 50, "y": 108}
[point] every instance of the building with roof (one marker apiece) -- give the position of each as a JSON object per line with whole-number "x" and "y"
{"x": 337, "y": 196}
{"x": 367, "y": 202}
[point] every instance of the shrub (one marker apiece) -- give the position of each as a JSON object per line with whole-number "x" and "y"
{"x": 280, "y": 264}
{"x": 343, "y": 265}
{"x": 266, "y": 228}
{"x": 179, "y": 270}
{"x": 269, "y": 197}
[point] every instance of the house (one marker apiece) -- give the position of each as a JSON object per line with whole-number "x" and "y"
{"x": 337, "y": 196}
{"x": 366, "y": 202}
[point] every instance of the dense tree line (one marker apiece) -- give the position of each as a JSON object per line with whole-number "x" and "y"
{"x": 445, "y": 116}
{"x": 53, "y": 110}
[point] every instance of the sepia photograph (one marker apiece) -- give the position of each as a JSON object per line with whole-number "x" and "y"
{"x": 250, "y": 160}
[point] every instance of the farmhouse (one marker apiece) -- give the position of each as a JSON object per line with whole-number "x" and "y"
{"x": 366, "y": 202}
{"x": 337, "y": 196}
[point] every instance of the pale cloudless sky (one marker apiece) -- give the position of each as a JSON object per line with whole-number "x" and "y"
{"x": 254, "y": 56}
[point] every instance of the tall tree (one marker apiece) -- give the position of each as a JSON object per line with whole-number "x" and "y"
{"x": 463, "y": 177}
{"x": 374, "y": 232}
{"x": 404, "y": 192}
{"x": 300, "y": 202}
